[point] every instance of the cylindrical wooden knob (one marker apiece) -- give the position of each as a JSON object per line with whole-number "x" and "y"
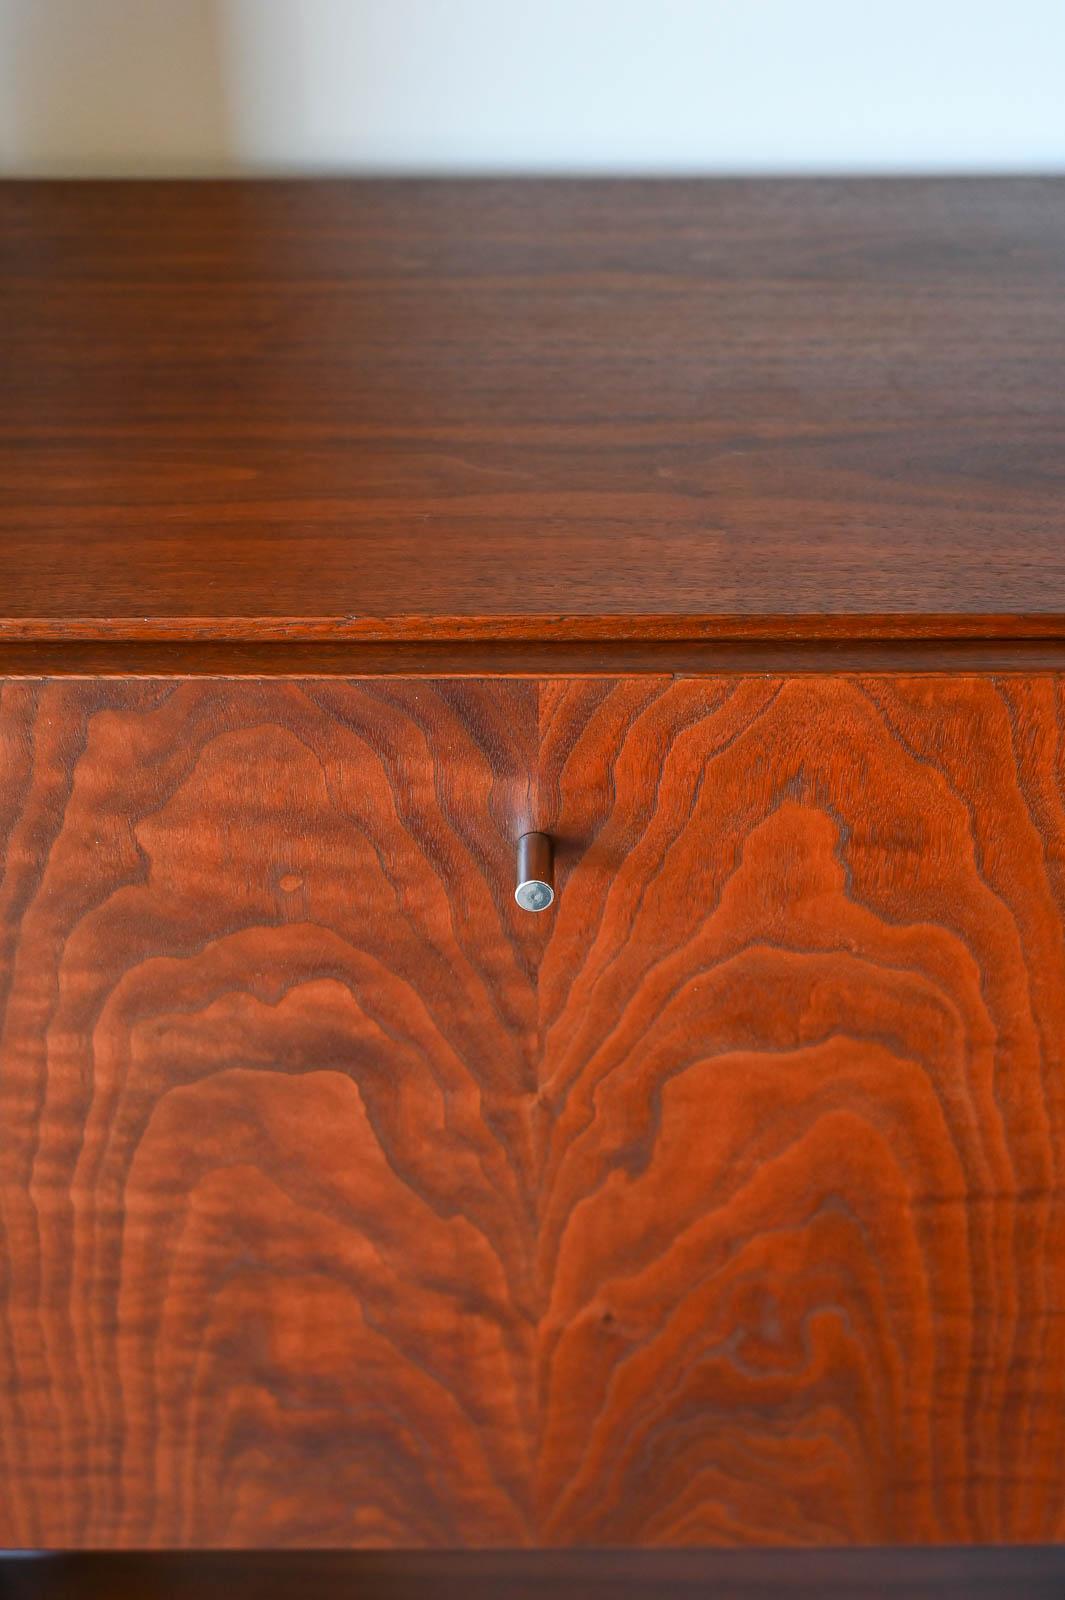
{"x": 535, "y": 890}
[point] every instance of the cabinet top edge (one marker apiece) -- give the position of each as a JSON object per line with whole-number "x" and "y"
{"x": 543, "y": 630}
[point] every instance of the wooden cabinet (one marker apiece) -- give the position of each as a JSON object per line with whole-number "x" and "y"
{"x": 343, "y": 1203}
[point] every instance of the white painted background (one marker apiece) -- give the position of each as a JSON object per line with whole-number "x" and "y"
{"x": 175, "y": 86}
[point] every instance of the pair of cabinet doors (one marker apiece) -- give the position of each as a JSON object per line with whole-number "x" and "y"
{"x": 345, "y": 1203}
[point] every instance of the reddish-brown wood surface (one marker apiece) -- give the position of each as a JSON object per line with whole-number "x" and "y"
{"x": 343, "y": 1203}
{"x": 532, "y": 409}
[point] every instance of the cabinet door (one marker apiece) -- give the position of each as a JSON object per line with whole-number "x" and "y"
{"x": 344, "y": 1203}
{"x": 802, "y": 1233}
{"x": 266, "y": 1152}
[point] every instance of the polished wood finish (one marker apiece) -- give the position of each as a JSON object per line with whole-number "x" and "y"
{"x": 532, "y": 410}
{"x": 265, "y": 1167}
{"x": 349, "y": 531}
{"x": 962, "y": 1574}
{"x": 346, "y": 1204}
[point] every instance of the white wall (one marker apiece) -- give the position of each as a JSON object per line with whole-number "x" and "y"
{"x": 127, "y": 86}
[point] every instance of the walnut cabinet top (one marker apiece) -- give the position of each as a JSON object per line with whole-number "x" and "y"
{"x": 532, "y": 410}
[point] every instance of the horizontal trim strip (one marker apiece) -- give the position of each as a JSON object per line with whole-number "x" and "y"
{"x": 516, "y": 659}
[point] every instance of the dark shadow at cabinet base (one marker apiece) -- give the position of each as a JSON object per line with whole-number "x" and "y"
{"x": 1024, "y": 1573}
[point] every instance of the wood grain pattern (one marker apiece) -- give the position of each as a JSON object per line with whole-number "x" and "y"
{"x": 542, "y": 409}
{"x": 265, "y": 1159}
{"x": 343, "y": 1204}
{"x": 803, "y": 1051}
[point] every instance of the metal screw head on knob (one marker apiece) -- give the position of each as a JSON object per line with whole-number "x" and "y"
{"x": 535, "y": 890}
